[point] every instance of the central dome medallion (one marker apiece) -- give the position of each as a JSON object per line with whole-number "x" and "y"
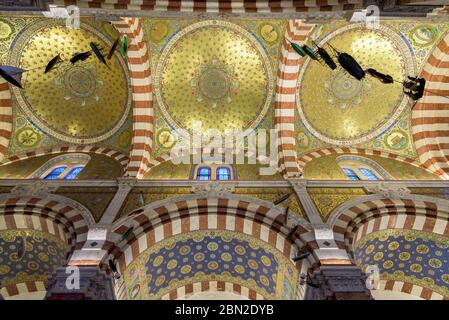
{"x": 215, "y": 83}
{"x": 214, "y": 73}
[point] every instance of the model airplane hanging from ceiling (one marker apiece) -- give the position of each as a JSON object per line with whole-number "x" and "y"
{"x": 414, "y": 87}
{"x": 13, "y": 74}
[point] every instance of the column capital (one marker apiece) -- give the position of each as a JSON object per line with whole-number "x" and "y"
{"x": 389, "y": 190}
{"x": 299, "y": 184}
{"x": 80, "y": 283}
{"x": 337, "y": 283}
{"x": 126, "y": 183}
{"x": 35, "y": 188}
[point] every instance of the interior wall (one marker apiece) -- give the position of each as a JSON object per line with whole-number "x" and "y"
{"x": 99, "y": 167}
{"x": 326, "y": 168}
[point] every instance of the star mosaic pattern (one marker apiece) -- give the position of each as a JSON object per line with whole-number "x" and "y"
{"x": 410, "y": 256}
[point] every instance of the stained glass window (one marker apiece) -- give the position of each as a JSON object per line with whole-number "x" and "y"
{"x": 223, "y": 173}
{"x": 55, "y": 173}
{"x": 73, "y": 173}
{"x": 204, "y": 173}
{"x": 350, "y": 174}
{"x": 369, "y": 174}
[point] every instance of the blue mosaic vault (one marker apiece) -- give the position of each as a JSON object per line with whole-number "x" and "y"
{"x": 411, "y": 256}
{"x": 219, "y": 256}
{"x": 42, "y": 254}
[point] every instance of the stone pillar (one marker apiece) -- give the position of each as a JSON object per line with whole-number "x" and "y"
{"x": 337, "y": 283}
{"x": 80, "y": 283}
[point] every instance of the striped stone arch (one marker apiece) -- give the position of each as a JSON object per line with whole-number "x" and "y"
{"x": 138, "y": 59}
{"x": 116, "y": 155}
{"x": 307, "y": 157}
{"x": 354, "y": 220}
{"x": 410, "y": 288}
{"x": 163, "y": 219}
{"x": 5, "y": 117}
{"x": 357, "y": 218}
{"x": 287, "y": 77}
{"x": 55, "y": 214}
{"x": 218, "y": 6}
{"x": 64, "y": 218}
{"x": 430, "y": 116}
{"x": 214, "y": 286}
{"x": 192, "y": 288}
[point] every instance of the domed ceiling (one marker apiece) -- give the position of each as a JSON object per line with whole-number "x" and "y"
{"x": 82, "y": 103}
{"x": 417, "y": 257}
{"x": 206, "y": 256}
{"x": 42, "y": 254}
{"x": 341, "y": 110}
{"x": 216, "y": 73}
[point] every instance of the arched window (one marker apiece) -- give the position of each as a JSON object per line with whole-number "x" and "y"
{"x": 223, "y": 173}
{"x": 350, "y": 174}
{"x": 204, "y": 173}
{"x": 361, "y": 168}
{"x": 369, "y": 174}
{"x": 213, "y": 171}
{"x": 55, "y": 173}
{"x": 73, "y": 173}
{"x": 67, "y": 166}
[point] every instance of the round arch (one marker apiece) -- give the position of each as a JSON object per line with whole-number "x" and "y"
{"x": 116, "y": 155}
{"x": 306, "y": 158}
{"x": 62, "y": 220}
{"x": 374, "y": 227}
{"x": 165, "y": 219}
{"x": 431, "y": 112}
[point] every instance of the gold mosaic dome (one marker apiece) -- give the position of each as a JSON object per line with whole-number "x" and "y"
{"x": 214, "y": 73}
{"x": 341, "y": 110}
{"x": 82, "y": 103}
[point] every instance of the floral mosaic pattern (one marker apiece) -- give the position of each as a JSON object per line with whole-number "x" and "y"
{"x": 418, "y": 257}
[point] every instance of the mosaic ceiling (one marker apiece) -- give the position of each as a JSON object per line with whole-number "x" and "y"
{"x": 360, "y": 109}
{"x": 208, "y": 72}
{"x": 220, "y": 73}
{"x": 210, "y": 255}
{"x": 365, "y": 114}
{"x": 81, "y": 103}
{"x": 417, "y": 257}
{"x": 87, "y": 103}
{"x": 42, "y": 253}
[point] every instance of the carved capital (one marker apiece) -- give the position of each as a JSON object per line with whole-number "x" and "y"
{"x": 389, "y": 190}
{"x": 213, "y": 189}
{"x": 292, "y": 219}
{"x": 299, "y": 184}
{"x": 126, "y": 183}
{"x": 337, "y": 282}
{"x": 38, "y": 188}
{"x": 93, "y": 284}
